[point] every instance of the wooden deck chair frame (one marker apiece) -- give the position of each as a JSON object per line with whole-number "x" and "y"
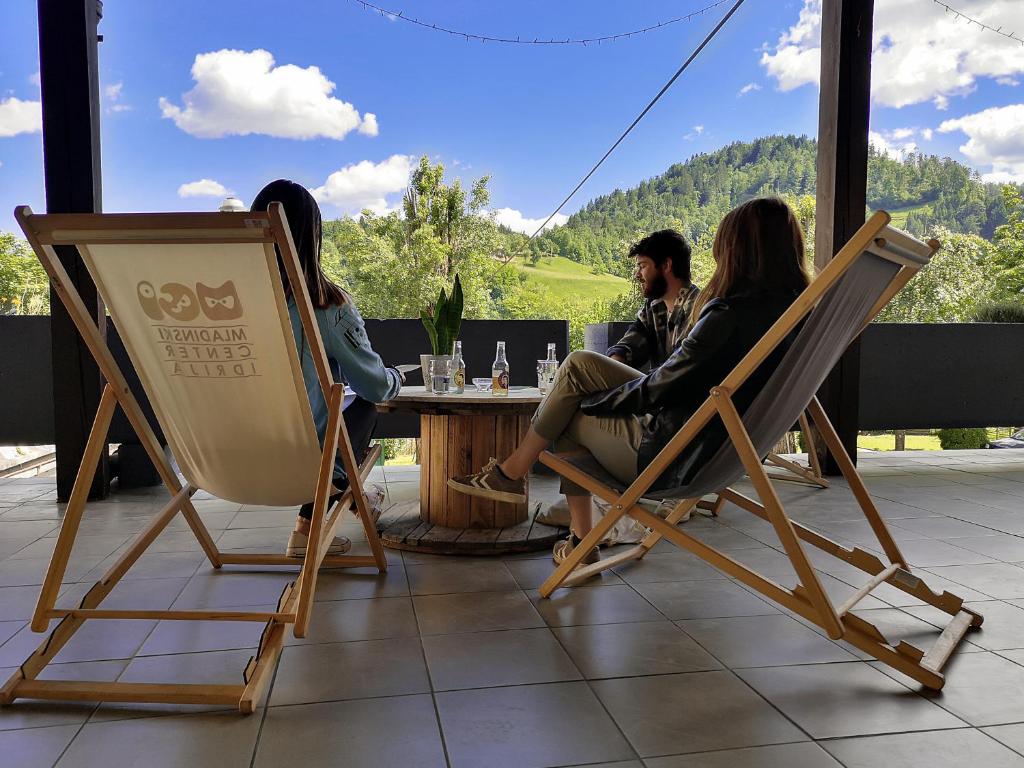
{"x": 44, "y": 232}
{"x": 797, "y": 473}
{"x": 808, "y": 599}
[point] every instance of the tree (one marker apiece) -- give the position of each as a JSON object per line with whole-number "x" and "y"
{"x": 24, "y": 288}
{"x": 1009, "y": 248}
{"x": 958, "y": 280}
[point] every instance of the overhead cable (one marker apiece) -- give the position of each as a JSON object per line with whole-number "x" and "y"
{"x": 983, "y": 25}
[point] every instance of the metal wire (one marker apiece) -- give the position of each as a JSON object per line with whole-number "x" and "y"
{"x": 983, "y": 25}
{"x": 518, "y": 40}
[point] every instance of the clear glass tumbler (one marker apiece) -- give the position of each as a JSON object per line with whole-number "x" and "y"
{"x": 440, "y": 375}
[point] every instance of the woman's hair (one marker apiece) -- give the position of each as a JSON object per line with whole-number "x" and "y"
{"x": 759, "y": 246}
{"x": 303, "y": 216}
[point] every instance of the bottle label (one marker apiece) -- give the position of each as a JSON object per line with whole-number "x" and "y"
{"x": 460, "y": 378}
{"x": 500, "y": 384}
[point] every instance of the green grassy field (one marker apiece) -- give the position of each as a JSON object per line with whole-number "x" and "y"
{"x": 899, "y": 215}
{"x": 568, "y": 279}
{"x": 888, "y": 442}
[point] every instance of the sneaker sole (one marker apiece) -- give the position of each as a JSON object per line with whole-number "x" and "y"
{"x": 484, "y": 493}
{"x": 301, "y": 552}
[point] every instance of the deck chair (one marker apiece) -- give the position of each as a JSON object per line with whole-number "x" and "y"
{"x": 797, "y": 473}
{"x": 869, "y": 270}
{"x": 199, "y": 302}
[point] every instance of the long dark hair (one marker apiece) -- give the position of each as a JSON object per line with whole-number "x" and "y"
{"x": 758, "y": 246}
{"x": 304, "y": 221}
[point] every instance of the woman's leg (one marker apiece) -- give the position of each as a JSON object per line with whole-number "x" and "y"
{"x": 582, "y": 374}
{"x": 360, "y": 421}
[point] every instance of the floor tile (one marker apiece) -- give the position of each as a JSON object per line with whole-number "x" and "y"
{"x": 626, "y": 650}
{"x": 935, "y": 749}
{"x": 528, "y": 726}
{"x": 834, "y": 700}
{"x": 460, "y": 576}
{"x": 95, "y": 641}
{"x": 29, "y": 713}
{"x": 487, "y": 659}
{"x": 704, "y": 599}
{"x": 673, "y": 714}
{"x": 763, "y": 641}
{"x": 35, "y": 747}
{"x": 1002, "y": 546}
{"x": 1010, "y": 735}
{"x": 530, "y": 574}
{"x": 232, "y": 588}
{"x": 225, "y": 740}
{"x": 475, "y": 612}
{"x": 925, "y": 553}
{"x": 336, "y": 671}
{"x": 346, "y": 620}
{"x": 170, "y": 637}
{"x": 9, "y": 629}
{"x": 674, "y": 566}
{"x": 997, "y": 580}
{"x": 803, "y": 755}
{"x": 981, "y": 689}
{"x": 358, "y": 583}
{"x": 353, "y": 734}
{"x": 594, "y": 605}
{"x": 1002, "y": 629}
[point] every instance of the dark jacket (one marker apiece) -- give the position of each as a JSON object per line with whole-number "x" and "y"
{"x": 725, "y": 331}
{"x": 656, "y": 331}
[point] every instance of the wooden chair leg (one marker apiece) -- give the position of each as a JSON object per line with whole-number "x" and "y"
{"x": 591, "y": 540}
{"x": 94, "y": 449}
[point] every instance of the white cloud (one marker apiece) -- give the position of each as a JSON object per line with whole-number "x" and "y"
{"x": 203, "y": 188}
{"x": 514, "y": 220}
{"x": 17, "y": 116}
{"x": 891, "y": 144}
{"x": 920, "y": 52}
{"x": 903, "y": 133}
{"x": 366, "y": 185}
{"x": 697, "y": 131}
{"x": 243, "y": 92}
{"x": 748, "y": 88}
{"x": 113, "y": 92}
{"x": 1010, "y": 81}
{"x": 926, "y": 134}
{"x": 994, "y": 139}
{"x": 34, "y": 79}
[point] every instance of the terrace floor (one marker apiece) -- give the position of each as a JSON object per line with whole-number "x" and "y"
{"x": 456, "y": 661}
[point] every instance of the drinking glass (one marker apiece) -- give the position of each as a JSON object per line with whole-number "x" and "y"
{"x": 545, "y": 374}
{"x": 440, "y": 375}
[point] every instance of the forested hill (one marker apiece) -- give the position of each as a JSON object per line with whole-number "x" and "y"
{"x": 928, "y": 191}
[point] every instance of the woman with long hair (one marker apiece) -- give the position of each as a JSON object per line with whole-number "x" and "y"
{"x": 348, "y": 349}
{"x": 624, "y": 417}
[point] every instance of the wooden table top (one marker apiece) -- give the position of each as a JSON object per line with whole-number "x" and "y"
{"x": 417, "y": 398}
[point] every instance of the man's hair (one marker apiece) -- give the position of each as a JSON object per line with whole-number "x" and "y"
{"x": 666, "y": 244}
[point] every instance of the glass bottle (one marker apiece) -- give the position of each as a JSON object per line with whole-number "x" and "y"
{"x": 458, "y": 370}
{"x": 499, "y": 373}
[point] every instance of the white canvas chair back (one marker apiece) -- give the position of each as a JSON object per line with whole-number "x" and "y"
{"x": 206, "y": 326}
{"x": 837, "y": 319}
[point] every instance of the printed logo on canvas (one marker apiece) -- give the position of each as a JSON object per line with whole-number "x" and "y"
{"x": 196, "y": 330}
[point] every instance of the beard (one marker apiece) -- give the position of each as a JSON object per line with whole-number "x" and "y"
{"x": 656, "y": 288}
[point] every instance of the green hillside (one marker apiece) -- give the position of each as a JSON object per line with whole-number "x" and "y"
{"x": 570, "y": 279}
{"x": 927, "y": 191}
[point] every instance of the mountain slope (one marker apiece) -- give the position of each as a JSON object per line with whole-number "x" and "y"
{"x": 693, "y": 196}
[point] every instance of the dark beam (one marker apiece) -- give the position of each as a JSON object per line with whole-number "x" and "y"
{"x": 69, "y": 77}
{"x": 843, "y": 116}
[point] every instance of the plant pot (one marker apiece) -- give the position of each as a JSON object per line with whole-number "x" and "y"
{"x": 425, "y": 368}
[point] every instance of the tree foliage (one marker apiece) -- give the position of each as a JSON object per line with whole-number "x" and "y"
{"x": 24, "y": 288}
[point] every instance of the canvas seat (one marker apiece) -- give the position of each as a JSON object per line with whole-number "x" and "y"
{"x": 862, "y": 278}
{"x": 199, "y": 303}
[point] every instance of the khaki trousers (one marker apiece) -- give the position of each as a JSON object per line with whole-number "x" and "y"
{"x": 613, "y": 440}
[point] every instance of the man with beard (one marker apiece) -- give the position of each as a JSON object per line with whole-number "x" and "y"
{"x": 663, "y": 271}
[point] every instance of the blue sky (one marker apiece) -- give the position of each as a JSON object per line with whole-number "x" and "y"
{"x": 252, "y": 107}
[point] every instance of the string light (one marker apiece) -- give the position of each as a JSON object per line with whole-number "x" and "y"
{"x": 961, "y": 15}
{"x": 519, "y": 40}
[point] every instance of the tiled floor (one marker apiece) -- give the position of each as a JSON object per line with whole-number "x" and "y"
{"x": 663, "y": 664}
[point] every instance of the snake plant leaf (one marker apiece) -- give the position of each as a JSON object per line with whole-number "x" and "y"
{"x": 428, "y": 323}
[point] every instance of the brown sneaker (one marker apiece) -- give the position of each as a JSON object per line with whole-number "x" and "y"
{"x": 565, "y": 547}
{"x": 490, "y": 483}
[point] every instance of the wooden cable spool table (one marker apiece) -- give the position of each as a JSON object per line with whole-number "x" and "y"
{"x": 458, "y": 435}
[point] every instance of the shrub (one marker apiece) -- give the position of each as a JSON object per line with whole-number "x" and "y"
{"x": 1000, "y": 312}
{"x": 956, "y": 439}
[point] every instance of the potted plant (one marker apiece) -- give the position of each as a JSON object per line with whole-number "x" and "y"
{"x": 442, "y": 321}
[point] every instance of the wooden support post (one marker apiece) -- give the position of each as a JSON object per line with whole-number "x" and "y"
{"x": 69, "y": 81}
{"x": 843, "y": 117}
